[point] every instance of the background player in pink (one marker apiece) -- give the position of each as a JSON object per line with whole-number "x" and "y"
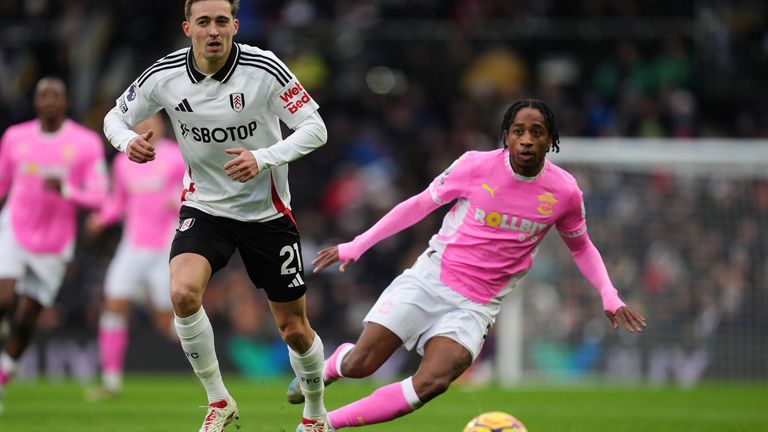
{"x": 48, "y": 167}
{"x": 445, "y": 304}
{"x": 147, "y": 197}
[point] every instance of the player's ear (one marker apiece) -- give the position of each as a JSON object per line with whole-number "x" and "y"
{"x": 236, "y": 26}
{"x": 185, "y": 27}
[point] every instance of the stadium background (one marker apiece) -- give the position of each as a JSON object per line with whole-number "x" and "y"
{"x": 405, "y": 87}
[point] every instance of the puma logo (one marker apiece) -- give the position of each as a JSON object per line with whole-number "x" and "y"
{"x": 490, "y": 190}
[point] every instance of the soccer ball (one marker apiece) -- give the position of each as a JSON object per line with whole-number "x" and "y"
{"x": 495, "y": 421}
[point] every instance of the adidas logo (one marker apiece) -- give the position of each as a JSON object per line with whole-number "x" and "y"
{"x": 296, "y": 282}
{"x": 183, "y": 106}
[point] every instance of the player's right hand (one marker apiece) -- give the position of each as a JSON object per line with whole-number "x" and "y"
{"x": 328, "y": 256}
{"x": 140, "y": 150}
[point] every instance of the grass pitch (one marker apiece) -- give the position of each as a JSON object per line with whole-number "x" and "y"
{"x": 170, "y": 403}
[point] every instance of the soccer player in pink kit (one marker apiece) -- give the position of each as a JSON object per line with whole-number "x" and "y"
{"x": 147, "y": 197}
{"x": 48, "y": 167}
{"x": 445, "y": 304}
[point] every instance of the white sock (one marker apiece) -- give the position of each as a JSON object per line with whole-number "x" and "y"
{"x": 196, "y": 336}
{"x": 7, "y": 363}
{"x": 309, "y": 369}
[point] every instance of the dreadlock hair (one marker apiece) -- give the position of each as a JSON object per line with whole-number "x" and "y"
{"x": 543, "y": 108}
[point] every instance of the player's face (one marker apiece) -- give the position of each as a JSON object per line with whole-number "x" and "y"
{"x": 50, "y": 100}
{"x": 528, "y": 141}
{"x": 211, "y": 27}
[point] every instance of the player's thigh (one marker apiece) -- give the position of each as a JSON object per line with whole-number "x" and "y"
{"x": 467, "y": 327}
{"x": 203, "y": 235}
{"x": 11, "y": 254}
{"x": 407, "y": 308}
{"x": 44, "y": 276}
{"x": 444, "y": 360}
{"x": 159, "y": 281}
{"x": 271, "y": 253}
{"x": 125, "y": 274}
{"x": 375, "y": 345}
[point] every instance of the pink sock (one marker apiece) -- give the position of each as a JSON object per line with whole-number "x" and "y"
{"x": 332, "y": 370}
{"x": 384, "y": 404}
{"x": 112, "y": 345}
{"x": 4, "y": 377}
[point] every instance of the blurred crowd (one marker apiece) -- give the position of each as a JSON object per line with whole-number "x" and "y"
{"x": 405, "y": 87}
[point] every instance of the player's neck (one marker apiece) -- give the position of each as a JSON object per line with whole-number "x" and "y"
{"x": 210, "y": 67}
{"x": 51, "y": 125}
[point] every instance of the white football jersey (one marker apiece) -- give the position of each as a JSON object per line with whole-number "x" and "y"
{"x": 241, "y": 105}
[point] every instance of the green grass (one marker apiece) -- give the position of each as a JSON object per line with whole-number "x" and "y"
{"x": 170, "y": 403}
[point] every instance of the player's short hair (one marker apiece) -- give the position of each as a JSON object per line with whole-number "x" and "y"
{"x": 188, "y": 7}
{"x": 543, "y": 108}
{"x": 54, "y": 80}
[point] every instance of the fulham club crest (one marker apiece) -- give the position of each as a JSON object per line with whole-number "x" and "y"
{"x": 237, "y": 101}
{"x": 186, "y": 224}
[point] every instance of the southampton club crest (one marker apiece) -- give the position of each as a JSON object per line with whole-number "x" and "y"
{"x": 237, "y": 101}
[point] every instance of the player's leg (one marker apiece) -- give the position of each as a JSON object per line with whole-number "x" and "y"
{"x": 199, "y": 249}
{"x": 7, "y": 300}
{"x": 271, "y": 253}
{"x": 306, "y": 353}
{"x": 120, "y": 286}
{"x": 444, "y": 361}
{"x": 113, "y": 343}
{"x": 359, "y": 360}
{"x": 22, "y": 329}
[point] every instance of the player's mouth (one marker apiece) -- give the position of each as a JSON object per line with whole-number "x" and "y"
{"x": 526, "y": 156}
{"x": 214, "y": 45}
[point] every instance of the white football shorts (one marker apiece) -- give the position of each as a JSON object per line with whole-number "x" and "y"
{"x": 38, "y": 275}
{"x": 418, "y": 306}
{"x": 137, "y": 274}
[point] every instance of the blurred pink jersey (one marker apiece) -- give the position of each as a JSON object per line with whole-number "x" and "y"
{"x": 493, "y": 230}
{"x": 44, "y": 221}
{"x": 147, "y": 196}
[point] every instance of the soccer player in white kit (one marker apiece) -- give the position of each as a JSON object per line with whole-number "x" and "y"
{"x": 49, "y": 167}
{"x": 146, "y": 197}
{"x": 506, "y": 201}
{"x": 225, "y": 101}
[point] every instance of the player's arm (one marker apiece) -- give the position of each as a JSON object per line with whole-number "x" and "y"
{"x": 88, "y": 186}
{"x": 310, "y": 134}
{"x": 402, "y": 216}
{"x": 591, "y": 265}
{"x": 135, "y": 105}
{"x": 6, "y": 169}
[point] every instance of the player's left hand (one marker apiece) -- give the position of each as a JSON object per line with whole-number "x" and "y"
{"x": 242, "y": 168}
{"x": 630, "y": 320}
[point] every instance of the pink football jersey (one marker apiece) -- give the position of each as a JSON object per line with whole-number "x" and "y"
{"x": 499, "y": 219}
{"x": 147, "y": 196}
{"x": 43, "y": 220}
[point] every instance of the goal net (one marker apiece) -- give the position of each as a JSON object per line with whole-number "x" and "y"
{"x": 683, "y": 229}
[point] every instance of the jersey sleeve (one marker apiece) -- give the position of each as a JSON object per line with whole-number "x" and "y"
{"x": 88, "y": 186}
{"x": 289, "y": 100}
{"x": 573, "y": 223}
{"x": 6, "y": 167}
{"x": 452, "y": 182}
{"x": 135, "y": 105}
{"x": 114, "y": 206}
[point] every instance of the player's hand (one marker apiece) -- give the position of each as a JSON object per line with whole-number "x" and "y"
{"x": 328, "y": 256}
{"x": 630, "y": 320}
{"x": 140, "y": 150}
{"x": 93, "y": 226}
{"x": 242, "y": 168}
{"x": 52, "y": 184}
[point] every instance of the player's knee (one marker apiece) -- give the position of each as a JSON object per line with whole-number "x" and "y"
{"x": 185, "y": 300}
{"x": 430, "y": 387}
{"x": 298, "y": 337}
{"x": 359, "y": 366}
